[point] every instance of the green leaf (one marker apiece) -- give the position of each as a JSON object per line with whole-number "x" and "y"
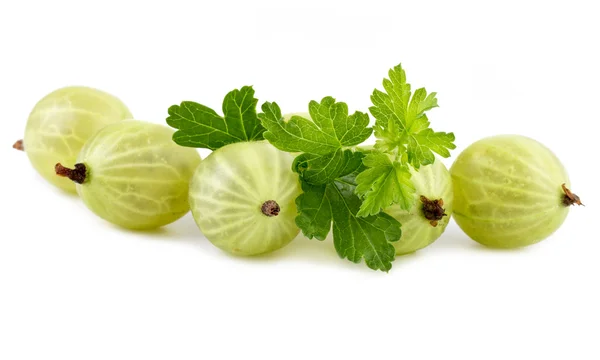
{"x": 401, "y": 125}
{"x": 422, "y": 145}
{"x": 319, "y": 170}
{"x": 201, "y": 127}
{"x": 323, "y": 139}
{"x": 385, "y": 182}
{"x": 329, "y": 129}
{"x": 355, "y": 238}
{"x": 404, "y": 139}
{"x": 314, "y": 211}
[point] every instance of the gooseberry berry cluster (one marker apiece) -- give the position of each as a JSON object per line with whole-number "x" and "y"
{"x": 272, "y": 175}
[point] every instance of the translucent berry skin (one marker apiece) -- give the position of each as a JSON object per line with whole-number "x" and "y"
{"x": 434, "y": 182}
{"x": 229, "y": 189}
{"x": 137, "y": 177}
{"x": 61, "y": 123}
{"x": 507, "y": 191}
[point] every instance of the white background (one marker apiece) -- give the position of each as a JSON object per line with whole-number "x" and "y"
{"x": 74, "y": 287}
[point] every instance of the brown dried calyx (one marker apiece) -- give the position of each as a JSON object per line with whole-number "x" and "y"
{"x": 19, "y": 145}
{"x": 78, "y": 174}
{"x": 569, "y": 198}
{"x": 433, "y": 210}
{"x": 270, "y": 208}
